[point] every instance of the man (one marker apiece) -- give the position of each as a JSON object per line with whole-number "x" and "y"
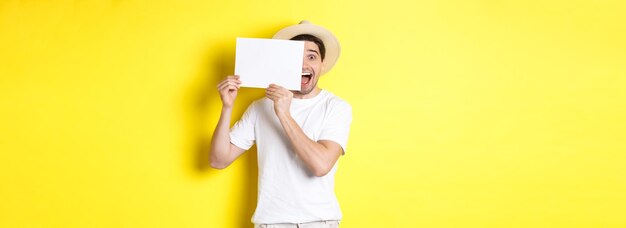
{"x": 300, "y": 135}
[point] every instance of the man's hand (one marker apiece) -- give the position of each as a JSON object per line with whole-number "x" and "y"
{"x": 228, "y": 90}
{"x": 281, "y": 97}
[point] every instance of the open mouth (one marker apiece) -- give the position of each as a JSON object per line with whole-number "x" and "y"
{"x": 306, "y": 77}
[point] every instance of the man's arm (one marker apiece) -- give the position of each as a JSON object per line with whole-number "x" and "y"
{"x": 320, "y": 156}
{"x": 223, "y": 153}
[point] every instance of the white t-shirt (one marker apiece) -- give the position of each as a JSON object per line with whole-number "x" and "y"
{"x": 288, "y": 191}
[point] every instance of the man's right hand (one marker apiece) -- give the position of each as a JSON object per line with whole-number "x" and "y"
{"x": 228, "y": 90}
{"x": 223, "y": 152}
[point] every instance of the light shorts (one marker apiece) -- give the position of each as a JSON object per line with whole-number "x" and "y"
{"x": 319, "y": 224}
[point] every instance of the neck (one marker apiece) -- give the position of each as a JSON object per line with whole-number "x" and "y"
{"x": 312, "y": 94}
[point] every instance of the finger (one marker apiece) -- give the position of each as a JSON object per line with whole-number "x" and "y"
{"x": 277, "y": 87}
{"x": 271, "y": 97}
{"x": 274, "y": 92}
{"x": 235, "y": 78}
{"x": 277, "y": 93}
{"x": 234, "y": 83}
{"x": 282, "y": 92}
{"x": 229, "y": 86}
{"x": 223, "y": 86}
{"x": 274, "y": 87}
{"x": 230, "y": 78}
{"x": 232, "y": 88}
{"x": 219, "y": 85}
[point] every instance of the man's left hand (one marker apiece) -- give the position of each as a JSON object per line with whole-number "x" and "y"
{"x": 281, "y": 97}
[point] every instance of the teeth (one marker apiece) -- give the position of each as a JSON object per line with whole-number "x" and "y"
{"x": 306, "y": 73}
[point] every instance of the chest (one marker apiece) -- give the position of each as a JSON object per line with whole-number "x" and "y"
{"x": 310, "y": 117}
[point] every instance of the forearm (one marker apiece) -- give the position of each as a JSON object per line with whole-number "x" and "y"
{"x": 220, "y": 143}
{"x": 310, "y": 152}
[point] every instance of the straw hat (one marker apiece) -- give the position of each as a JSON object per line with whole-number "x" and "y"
{"x": 330, "y": 41}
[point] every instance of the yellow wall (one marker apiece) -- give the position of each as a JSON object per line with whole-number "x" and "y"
{"x": 479, "y": 113}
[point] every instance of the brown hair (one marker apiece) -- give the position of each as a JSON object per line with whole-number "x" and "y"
{"x": 314, "y": 39}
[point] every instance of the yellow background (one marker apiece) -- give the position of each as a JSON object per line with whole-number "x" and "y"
{"x": 479, "y": 113}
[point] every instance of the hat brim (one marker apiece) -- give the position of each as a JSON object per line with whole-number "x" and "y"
{"x": 330, "y": 41}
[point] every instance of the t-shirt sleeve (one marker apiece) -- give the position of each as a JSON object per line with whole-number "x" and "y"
{"x": 337, "y": 124}
{"x": 242, "y": 133}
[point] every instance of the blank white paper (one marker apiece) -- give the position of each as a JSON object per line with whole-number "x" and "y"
{"x": 261, "y": 62}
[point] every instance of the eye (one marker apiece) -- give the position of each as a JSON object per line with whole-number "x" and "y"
{"x": 311, "y": 57}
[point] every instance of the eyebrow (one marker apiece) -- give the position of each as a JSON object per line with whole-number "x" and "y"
{"x": 313, "y": 51}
